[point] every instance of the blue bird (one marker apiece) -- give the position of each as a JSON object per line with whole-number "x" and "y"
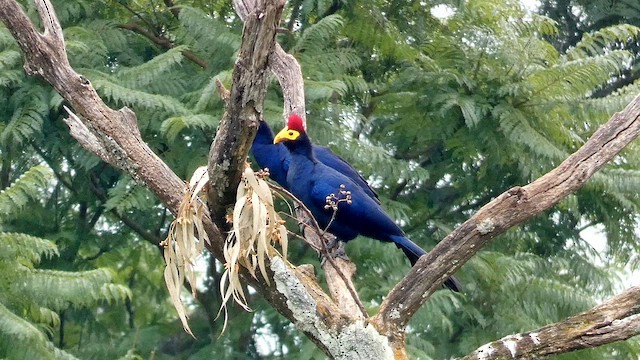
{"x": 336, "y": 201}
{"x": 276, "y": 158}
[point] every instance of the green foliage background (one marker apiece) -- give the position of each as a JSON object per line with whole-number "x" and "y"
{"x": 440, "y": 114}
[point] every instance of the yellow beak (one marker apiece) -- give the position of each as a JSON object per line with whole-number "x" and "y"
{"x": 285, "y": 134}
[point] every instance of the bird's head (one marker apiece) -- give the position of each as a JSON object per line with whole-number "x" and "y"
{"x": 293, "y": 130}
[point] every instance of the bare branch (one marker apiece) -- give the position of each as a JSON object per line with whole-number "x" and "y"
{"x": 46, "y": 57}
{"x": 244, "y": 8}
{"x": 615, "y": 320}
{"x": 222, "y": 91}
{"x": 289, "y": 74}
{"x": 52, "y": 28}
{"x": 339, "y": 273}
{"x": 284, "y": 66}
{"x": 172, "y": 7}
{"x": 244, "y": 109}
{"x": 511, "y": 208}
{"x": 164, "y": 42}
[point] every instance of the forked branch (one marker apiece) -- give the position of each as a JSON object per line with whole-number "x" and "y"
{"x": 511, "y": 208}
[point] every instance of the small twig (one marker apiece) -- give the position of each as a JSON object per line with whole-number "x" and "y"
{"x": 134, "y": 13}
{"x": 172, "y": 7}
{"x": 163, "y": 42}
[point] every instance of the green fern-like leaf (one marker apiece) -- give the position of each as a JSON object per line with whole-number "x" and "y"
{"x": 31, "y": 107}
{"x": 44, "y": 316}
{"x": 174, "y": 125}
{"x": 205, "y": 31}
{"x": 622, "y": 180}
{"x": 6, "y": 39}
{"x": 534, "y": 25}
{"x": 10, "y": 77}
{"x": 59, "y": 289}
{"x": 85, "y": 47}
{"x": 9, "y": 59}
{"x": 320, "y": 33}
{"x": 153, "y": 70}
{"x": 374, "y": 31}
{"x": 125, "y": 96}
{"x": 23, "y": 125}
{"x": 23, "y": 190}
{"x": 323, "y": 90}
{"x": 25, "y": 247}
{"x": 22, "y": 340}
{"x": 127, "y": 195}
{"x": 208, "y": 93}
{"x": 578, "y": 77}
{"x": 518, "y": 129}
{"x": 597, "y": 42}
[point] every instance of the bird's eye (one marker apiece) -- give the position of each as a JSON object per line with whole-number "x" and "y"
{"x": 290, "y": 133}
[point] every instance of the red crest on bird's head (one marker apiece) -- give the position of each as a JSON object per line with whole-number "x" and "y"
{"x": 295, "y": 123}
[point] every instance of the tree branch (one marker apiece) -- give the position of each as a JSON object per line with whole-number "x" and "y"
{"x": 284, "y": 66}
{"x": 164, "y": 42}
{"x": 114, "y": 132}
{"x": 616, "y": 319}
{"x": 172, "y": 7}
{"x": 289, "y": 74}
{"x": 511, "y": 208}
{"x": 239, "y": 123}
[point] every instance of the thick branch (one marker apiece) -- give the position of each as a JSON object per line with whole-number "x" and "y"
{"x": 116, "y": 134}
{"x": 244, "y": 108}
{"x": 509, "y": 209}
{"x": 289, "y": 74}
{"x": 284, "y": 66}
{"x": 338, "y": 271}
{"x": 615, "y": 320}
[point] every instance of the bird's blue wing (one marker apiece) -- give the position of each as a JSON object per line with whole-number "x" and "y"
{"x": 329, "y": 158}
{"x": 363, "y": 215}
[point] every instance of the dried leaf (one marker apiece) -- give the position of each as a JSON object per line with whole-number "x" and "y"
{"x": 185, "y": 243}
{"x": 256, "y": 227}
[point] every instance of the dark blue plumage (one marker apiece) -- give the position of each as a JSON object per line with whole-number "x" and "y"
{"x": 311, "y": 181}
{"x": 276, "y": 157}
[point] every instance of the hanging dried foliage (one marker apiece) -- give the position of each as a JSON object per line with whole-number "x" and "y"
{"x": 256, "y": 228}
{"x": 185, "y": 242}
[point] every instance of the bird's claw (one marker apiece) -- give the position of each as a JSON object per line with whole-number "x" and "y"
{"x": 335, "y": 249}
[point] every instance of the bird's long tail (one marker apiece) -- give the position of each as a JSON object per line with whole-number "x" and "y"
{"x": 414, "y": 252}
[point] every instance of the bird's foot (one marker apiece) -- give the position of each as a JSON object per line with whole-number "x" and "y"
{"x": 302, "y": 224}
{"x": 334, "y": 250}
